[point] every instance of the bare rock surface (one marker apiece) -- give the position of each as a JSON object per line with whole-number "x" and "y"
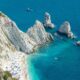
{"x": 47, "y": 21}
{"x": 65, "y": 28}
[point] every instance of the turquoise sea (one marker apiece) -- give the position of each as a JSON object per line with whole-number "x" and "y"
{"x": 60, "y": 59}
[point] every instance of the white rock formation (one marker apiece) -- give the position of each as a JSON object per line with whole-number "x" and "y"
{"x": 11, "y": 59}
{"x": 38, "y": 33}
{"x": 47, "y": 21}
{"x": 21, "y": 40}
{"x": 65, "y": 28}
{"x": 13, "y": 42}
{"x": 78, "y": 43}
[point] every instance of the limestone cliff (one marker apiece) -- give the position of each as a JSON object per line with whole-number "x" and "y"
{"x": 14, "y": 44}
{"x": 38, "y": 33}
{"x": 19, "y": 39}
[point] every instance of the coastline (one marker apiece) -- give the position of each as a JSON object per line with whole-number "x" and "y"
{"x": 25, "y": 43}
{"x": 30, "y": 70}
{"x": 19, "y": 44}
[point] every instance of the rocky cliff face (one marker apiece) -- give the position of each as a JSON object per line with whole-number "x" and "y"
{"x": 14, "y": 44}
{"x": 38, "y": 33}
{"x": 4, "y": 42}
{"x": 10, "y": 59}
{"x": 20, "y": 40}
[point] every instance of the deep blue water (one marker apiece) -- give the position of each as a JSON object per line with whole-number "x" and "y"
{"x": 42, "y": 65}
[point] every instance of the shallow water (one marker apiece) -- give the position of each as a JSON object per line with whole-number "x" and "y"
{"x": 59, "y": 60}
{"x": 45, "y": 66}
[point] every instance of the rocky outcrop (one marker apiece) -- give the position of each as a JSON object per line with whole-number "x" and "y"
{"x": 78, "y": 43}
{"x": 65, "y": 28}
{"x": 47, "y": 21}
{"x": 19, "y": 39}
{"x": 38, "y": 33}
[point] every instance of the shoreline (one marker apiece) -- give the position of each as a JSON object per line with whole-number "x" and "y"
{"x": 30, "y": 70}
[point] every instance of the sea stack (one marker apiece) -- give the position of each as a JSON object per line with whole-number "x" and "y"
{"x": 65, "y": 29}
{"x": 39, "y": 34}
{"x": 78, "y": 43}
{"x": 47, "y": 21}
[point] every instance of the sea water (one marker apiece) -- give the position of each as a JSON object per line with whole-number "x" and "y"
{"x": 60, "y": 59}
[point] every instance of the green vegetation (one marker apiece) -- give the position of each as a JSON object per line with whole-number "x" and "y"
{"x": 6, "y": 75}
{"x": 1, "y": 14}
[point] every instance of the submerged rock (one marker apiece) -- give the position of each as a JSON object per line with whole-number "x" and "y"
{"x": 29, "y": 10}
{"x": 65, "y": 29}
{"x": 12, "y": 59}
{"x": 47, "y": 21}
{"x": 38, "y": 33}
{"x": 56, "y": 58}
